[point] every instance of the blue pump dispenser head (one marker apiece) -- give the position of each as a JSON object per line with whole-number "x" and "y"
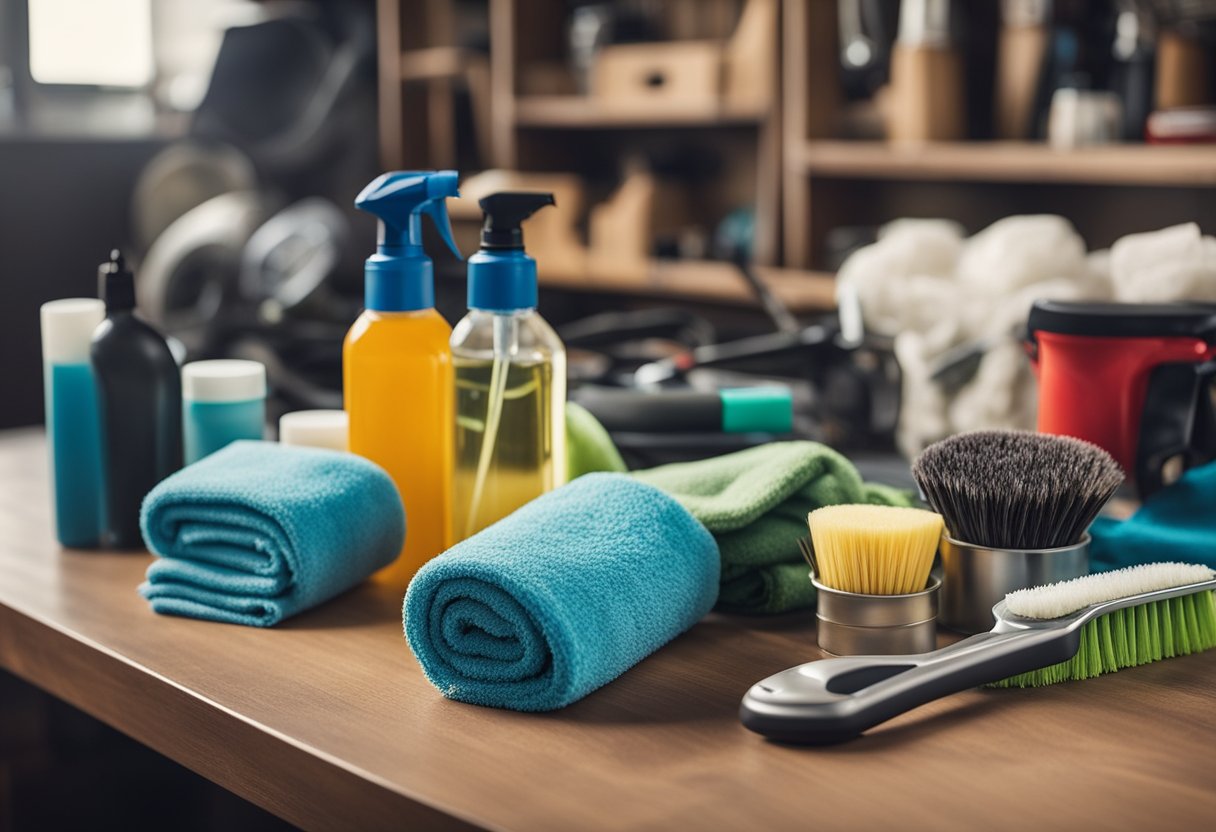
{"x": 502, "y": 277}
{"x": 399, "y": 277}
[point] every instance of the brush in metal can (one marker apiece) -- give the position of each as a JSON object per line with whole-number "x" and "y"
{"x": 870, "y": 566}
{"x": 1017, "y": 506}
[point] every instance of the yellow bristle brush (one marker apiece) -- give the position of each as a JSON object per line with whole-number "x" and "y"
{"x": 874, "y": 550}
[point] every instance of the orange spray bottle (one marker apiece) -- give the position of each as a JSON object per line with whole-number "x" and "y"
{"x": 397, "y": 363}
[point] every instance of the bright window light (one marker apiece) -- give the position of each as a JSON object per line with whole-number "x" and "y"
{"x": 104, "y": 43}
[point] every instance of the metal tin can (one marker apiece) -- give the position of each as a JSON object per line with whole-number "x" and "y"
{"x": 975, "y": 578}
{"x": 854, "y": 624}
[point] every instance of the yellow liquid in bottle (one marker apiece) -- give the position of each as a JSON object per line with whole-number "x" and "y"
{"x": 528, "y": 458}
{"x": 397, "y": 370}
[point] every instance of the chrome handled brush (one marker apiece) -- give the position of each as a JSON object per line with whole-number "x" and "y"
{"x": 1071, "y": 630}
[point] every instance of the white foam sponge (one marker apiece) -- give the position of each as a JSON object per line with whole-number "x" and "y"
{"x": 1066, "y": 597}
{"x": 1020, "y": 251}
{"x": 1174, "y": 264}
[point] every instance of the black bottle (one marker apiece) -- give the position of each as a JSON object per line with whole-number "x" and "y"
{"x": 139, "y": 389}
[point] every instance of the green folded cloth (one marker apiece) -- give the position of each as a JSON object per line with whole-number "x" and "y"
{"x": 755, "y": 503}
{"x": 589, "y": 448}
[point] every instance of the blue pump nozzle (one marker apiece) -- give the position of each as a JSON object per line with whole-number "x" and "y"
{"x": 399, "y": 276}
{"x": 502, "y": 276}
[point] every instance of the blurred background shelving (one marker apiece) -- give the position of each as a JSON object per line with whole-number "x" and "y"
{"x": 1105, "y": 190}
{"x": 495, "y": 84}
{"x": 537, "y": 121}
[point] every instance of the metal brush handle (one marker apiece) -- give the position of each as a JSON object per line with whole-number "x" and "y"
{"x": 837, "y": 699}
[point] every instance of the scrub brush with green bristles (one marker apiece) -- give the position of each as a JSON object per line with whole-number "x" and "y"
{"x": 1126, "y": 637}
{"x": 1075, "y": 629}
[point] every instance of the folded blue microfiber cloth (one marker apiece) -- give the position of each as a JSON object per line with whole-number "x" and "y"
{"x": 1176, "y": 523}
{"x": 258, "y": 532}
{"x": 562, "y": 596}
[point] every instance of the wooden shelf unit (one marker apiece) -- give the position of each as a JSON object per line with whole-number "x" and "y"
{"x": 804, "y": 180}
{"x": 1106, "y": 191}
{"x": 528, "y": 128}
{"x": 422, "y": 61}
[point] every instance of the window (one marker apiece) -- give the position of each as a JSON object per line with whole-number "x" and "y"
{"x": 106, "y": 43}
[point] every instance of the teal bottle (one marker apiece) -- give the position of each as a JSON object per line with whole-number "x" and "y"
{"x": 222, "y": 401}
{"x": 73, "y": 425}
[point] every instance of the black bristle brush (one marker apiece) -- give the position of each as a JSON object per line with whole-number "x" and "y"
{"x": 1016, "y": 489}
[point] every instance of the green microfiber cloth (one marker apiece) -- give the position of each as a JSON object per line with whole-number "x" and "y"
{"x": 589, "y": 448}
{"x": 755, "y": 503}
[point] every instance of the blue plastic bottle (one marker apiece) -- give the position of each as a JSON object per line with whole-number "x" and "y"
{"x": 73, "y": 426}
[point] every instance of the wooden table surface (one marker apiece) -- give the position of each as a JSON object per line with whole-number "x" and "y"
{"x": 327, "y": 720}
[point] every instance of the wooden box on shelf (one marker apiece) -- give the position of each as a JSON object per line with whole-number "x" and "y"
{"x": 670, "y": 73}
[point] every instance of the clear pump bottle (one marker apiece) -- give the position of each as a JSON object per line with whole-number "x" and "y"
{"x": 510, "y": 375}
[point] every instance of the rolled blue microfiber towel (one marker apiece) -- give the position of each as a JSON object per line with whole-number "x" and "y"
{"x": 562, "y": 596}
{"x": 1176, "y": 523}
{"x": 257, "y": 532}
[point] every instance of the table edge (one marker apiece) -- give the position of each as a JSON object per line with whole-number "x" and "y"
{"x": 69, "y": 665}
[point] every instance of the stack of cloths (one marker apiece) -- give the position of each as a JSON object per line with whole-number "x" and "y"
{"x": 258, "y": 532}
{"x": 562, "y": 596}
{"x": 755, "y": 503}
{"x": 1177, "y": 523}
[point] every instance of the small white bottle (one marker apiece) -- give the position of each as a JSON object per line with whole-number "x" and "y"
{"x": 315, "y": 429}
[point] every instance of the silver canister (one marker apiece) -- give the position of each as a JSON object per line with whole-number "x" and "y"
{"x": 853, "y": 624}
{"x": 974, "y": 578}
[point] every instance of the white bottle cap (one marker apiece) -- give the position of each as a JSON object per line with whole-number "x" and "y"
{"x": 314, "y": 429}
{"x": 67, "y": 329}
{"x": 223, "y": 380}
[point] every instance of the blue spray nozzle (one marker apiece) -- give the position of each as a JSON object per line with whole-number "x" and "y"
{"x": 400, "y": 198}
{"x": 438, "y": 212}
{"x": 399, "y": 276}
{"x": 502, "y": 277}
